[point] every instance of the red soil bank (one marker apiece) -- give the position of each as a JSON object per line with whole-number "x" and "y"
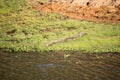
{"x": 91, "y": 10}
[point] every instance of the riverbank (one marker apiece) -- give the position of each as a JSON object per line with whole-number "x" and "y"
{"x": 105, "y": 11}
{"x": 24, "y": 29}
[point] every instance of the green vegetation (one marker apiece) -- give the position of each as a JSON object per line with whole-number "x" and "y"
{"x": 24, "y": 29}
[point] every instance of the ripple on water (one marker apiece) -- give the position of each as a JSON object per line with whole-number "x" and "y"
{"x": 32, "y": 66}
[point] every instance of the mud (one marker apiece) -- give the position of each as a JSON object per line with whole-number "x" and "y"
{"x": 98, "y": 11}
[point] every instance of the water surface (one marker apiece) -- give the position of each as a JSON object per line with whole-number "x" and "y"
{"x": 54, "y": 66}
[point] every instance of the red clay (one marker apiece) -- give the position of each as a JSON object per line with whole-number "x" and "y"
{"x": 107, "y": 14}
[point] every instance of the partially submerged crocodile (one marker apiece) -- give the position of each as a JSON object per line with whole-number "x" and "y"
{"x": 80, "y": 34}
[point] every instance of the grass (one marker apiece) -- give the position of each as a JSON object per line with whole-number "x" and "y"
{"x": 24, "y": 29}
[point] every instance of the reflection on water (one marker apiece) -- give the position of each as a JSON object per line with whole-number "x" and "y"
{"x": 49, "y": 65}
{"x": 53, "y": 66}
